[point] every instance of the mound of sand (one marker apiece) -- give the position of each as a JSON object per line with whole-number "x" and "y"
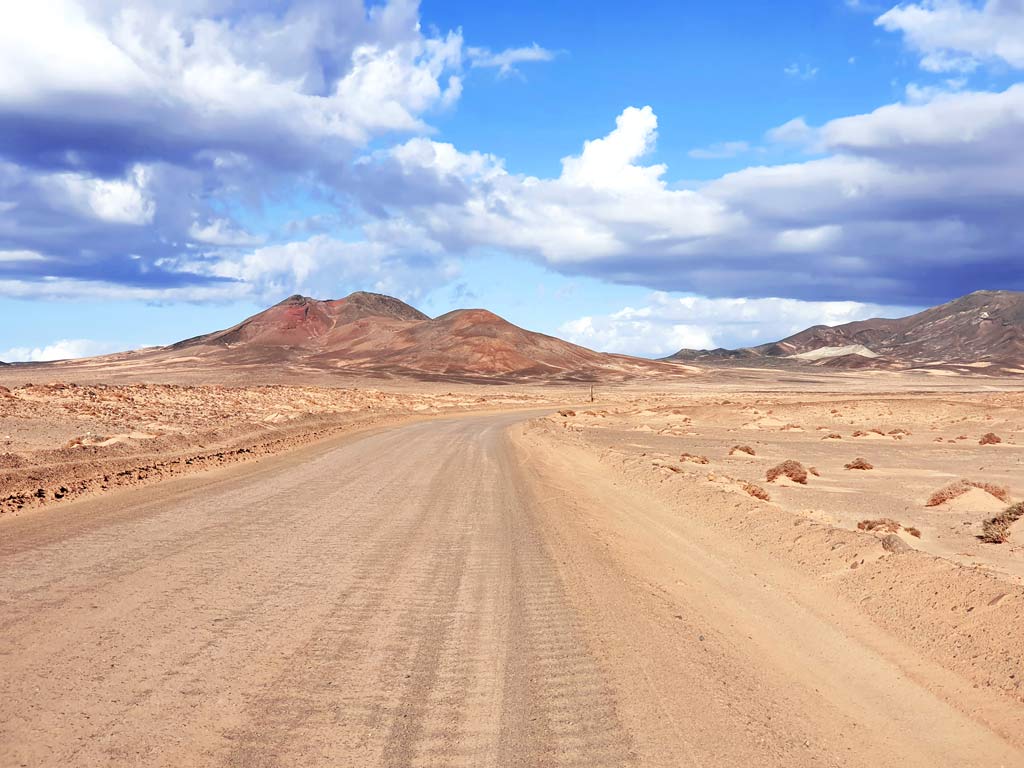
{"x": 974, "y": 500}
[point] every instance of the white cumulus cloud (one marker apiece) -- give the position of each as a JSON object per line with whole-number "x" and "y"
{"x": 65, "y": 349}
{"x": 666, "y": 323}
{"x": 954, "y": 35}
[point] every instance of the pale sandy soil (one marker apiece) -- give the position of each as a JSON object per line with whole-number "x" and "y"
{"x": 466, "y": 591}
{"x": 61, "y": 441}
{"x": 916, "y": 444}
{"x": 415, "y": 584}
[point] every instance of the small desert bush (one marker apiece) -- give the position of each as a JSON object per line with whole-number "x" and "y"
{"x": 794, "y": 470}
{"x": 860, "y": 433}
{"x": 884, "y": 524}
{"x": 960, "y": 487}
{"x": 996, "y": 530}
{"x": 693, "y": 458}
{"x": 860, "y": 463}
{"x": 742, "y": 449}
{"x": 913, "y": 532}
{"x": 990, "y": 438}
{"x": 832, "y": 436}
{"x": 757, "y": 491}
{"x": 566, "y": 413}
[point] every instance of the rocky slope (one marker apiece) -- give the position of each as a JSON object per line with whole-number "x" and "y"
{"x": 982, "y": 329}
{"x": 380, "y": 335}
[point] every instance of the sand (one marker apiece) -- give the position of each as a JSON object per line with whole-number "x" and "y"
{"x": 394, "y": 572}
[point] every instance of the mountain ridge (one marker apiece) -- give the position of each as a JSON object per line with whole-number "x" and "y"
{"x": 380, "y": 335}
{"x": 983, "y": 327}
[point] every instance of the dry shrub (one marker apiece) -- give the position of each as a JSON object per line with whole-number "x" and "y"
{"x": 742, "y": 449}
{"x": 913, "y": 532}
{"x": 883, "y": 524}
{"x": 991, "y": 438}
{"x": 899, "y": 431}
{"x": 566, "y": 413}
{"x": 794, "y": 470}
{"x": 757, "y": 491}
{"x": 860, "y": 433}
{"x": 960, "y": 487}
{"x": 693, "y": 458}
{"x": 996, "y": 530}
{"x": 860, "y": 463}
{"x": 832, "y": 436}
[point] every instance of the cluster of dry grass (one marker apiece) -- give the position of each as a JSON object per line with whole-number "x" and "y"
{"x": 990, "y": 438}
{"x": 996, "y": 530}
{"x": 860, "y": 463}
{"x": 887, "y": 525}
{"x": 960, "y": 487}
{"x": 694, "y": 458}
{"x": 742, "y": 449}
{"x": 757, "y": 491}
{"x": 883, "y": 524}
{"x": 794, "y": 470}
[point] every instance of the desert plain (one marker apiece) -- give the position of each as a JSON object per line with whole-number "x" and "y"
{"x": 314, "y": 570}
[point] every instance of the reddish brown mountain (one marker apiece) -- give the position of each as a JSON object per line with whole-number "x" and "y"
{"x": 376, "y": 334}
{"x": 985, "y": 327}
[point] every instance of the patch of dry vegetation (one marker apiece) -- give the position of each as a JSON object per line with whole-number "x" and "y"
{"x": 742, "y": 449}
{"x": 794, "y": 470}
{"x": 832, "y": 436}
{"x": 694, "y": 458}
{"x": 757, "y": 491}
{"x": 860, "y": 463}
{"x": 996, "y": 530}
{"x": 990, "y": 438}
{"x": 883, "y": 524}
{"x": 960, "y": 487}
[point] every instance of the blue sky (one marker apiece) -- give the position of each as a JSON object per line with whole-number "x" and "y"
{"x": 637, "y": 180}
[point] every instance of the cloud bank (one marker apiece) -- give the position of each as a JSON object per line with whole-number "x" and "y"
{"x": 145, "y": 144}
{"x": 911, "y": 204}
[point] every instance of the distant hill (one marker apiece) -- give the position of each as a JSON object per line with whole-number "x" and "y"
{"x": 380, "y": 335}
{"x": 982, "y": 329}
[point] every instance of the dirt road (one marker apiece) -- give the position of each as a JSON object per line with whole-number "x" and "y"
{"x": 433, "y": 595}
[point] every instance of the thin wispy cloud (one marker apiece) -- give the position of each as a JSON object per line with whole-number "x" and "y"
{"x": 506, "y": 61}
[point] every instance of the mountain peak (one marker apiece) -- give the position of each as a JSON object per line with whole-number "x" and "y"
{"x": 981, "y": 329}
{"x": 378, "y": 334}
{"x": 382, "y": 304}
